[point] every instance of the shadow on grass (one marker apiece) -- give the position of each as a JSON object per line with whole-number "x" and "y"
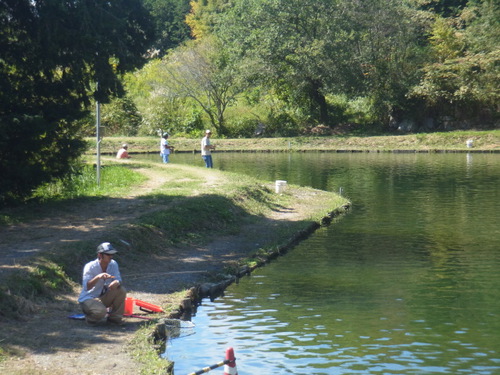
{"x": 166, "y": 243}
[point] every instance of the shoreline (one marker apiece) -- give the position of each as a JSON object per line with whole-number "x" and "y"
{"x": 394, "y": 151}
{"x": 176, "y": 272}
{"x": 454, "y": 141}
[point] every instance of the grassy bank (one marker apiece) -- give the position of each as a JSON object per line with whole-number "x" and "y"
{"x": 190, "y": 207}
{"x": 487, "y": 141}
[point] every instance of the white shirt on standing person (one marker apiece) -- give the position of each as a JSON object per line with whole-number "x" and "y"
{"x": 206, "y": 149}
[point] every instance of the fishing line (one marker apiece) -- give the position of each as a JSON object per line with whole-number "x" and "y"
{"x": 140, "y": 276}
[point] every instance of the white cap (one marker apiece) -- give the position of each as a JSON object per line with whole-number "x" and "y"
{"x": 106, "y": 248}
{"x": 208, "y": 131}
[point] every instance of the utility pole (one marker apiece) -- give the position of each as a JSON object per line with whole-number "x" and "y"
{"x": 98, "y": 135}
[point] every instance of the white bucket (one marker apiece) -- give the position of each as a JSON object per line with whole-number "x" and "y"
{"x": 280, "y": 186}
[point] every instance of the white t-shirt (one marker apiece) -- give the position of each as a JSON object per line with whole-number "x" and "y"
{"x": 163, "y": 146}
{"x": 91, "y": 270}
{"x": 205, "y": 142}
{"x": 122, "y": 154}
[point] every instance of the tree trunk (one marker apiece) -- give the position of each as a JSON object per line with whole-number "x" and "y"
{"x": 320, "y": 101}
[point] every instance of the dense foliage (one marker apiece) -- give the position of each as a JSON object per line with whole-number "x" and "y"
{"x": 295, "y": 66}
{"x": 52, "y": 54}
{"x": 168, "y": 18}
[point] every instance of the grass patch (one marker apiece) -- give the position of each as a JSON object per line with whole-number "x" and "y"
{"x": 196, "y": 218}
{"x": 23, "y": 288}
{"x": 193, "y": 219}
{"x": 42, "y": 279}
{"x": 181, "y": 182}
{"x": 114, "y": 179}
{"x": 144, "y": 349}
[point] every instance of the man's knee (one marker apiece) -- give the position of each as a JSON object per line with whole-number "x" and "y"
{"x": 94, "y": 310}
{"x": 113, "y": 295}
{"x": 122, "y": 292}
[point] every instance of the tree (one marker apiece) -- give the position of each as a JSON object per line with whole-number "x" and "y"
{"x": 52, "y": 52}
{"x": 463, "y": 81}
{"x": 120, "y": 117}
{"x": 169, "y": 18}
{"x": 306, "y": 49}
{"x": 203, "y": 72}
{"x": 445, "y": 8}
{"x": 203, "y": 16}
{"x": 290, "y": 44}
{"x": 388, "y": 50}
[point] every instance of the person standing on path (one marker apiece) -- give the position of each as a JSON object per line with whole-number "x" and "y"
{"x": 206, "y": 149}
{"x": 165, "y": 148}
{"x": 102, "y": 288}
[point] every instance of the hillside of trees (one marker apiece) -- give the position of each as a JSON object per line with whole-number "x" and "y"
{"x": 292, "y": 67}
{"x": 239, "y": 67}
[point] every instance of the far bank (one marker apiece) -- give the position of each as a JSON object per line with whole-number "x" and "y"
{"x": 457, "y": 141}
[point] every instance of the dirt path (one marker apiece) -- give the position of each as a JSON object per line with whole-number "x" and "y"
{"x": 50, "y": 343}
{"x": 83, "y": 221}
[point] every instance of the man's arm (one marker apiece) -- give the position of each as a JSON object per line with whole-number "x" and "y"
{"x": 114, "y": 272}
{"x": 102, "y": 276}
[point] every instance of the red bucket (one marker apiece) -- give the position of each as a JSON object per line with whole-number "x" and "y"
{"x": 129, "y": 306}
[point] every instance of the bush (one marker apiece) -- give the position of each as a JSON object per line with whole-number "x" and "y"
{"x": 282, "y": 125}
{"x": 120, "y": 117}
{"x": 243, "y": 128}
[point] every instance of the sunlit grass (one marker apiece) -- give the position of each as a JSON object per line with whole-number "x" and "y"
{"x": 114, "y": 180}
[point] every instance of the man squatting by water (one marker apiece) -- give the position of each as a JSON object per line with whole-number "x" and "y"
{"x": 102, "y": 288}
{"x": 206, "y": 149}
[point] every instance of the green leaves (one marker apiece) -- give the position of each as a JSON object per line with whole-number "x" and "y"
{"x": 53, "y": 52}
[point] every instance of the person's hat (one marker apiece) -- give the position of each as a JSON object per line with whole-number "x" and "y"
{"x": 208, "y": 131}
{"x": 165, "y": 135}
{"x": 124, "y": 145}
{"x": 106, "y": 248}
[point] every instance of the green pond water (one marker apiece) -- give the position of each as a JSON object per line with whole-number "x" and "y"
{"x": 406, "y": 283}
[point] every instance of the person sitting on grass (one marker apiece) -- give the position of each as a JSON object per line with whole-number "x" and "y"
{"x": 123, "y": 152}
{"x": 102, "y": 288}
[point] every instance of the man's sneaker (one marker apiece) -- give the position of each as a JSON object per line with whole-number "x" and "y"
{"x": 91, "y": 322}
{"x": 117, "y": 321}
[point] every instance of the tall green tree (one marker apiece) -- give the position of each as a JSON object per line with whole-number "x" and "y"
{"x": 169, "y": 18}
{"x": 291, "y": 44}
{"x": 307, "y": 49}
{"x": 203, "y": 16}
{"x": 52, "y": 53}
{"x": 389, "y": 49}
{"x": 444, "y": 8}
{"x": 463, "y": 80}
{"x": 203, "y": 72}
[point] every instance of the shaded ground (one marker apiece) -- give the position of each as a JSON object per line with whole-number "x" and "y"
{"x": 50, "y": 343}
